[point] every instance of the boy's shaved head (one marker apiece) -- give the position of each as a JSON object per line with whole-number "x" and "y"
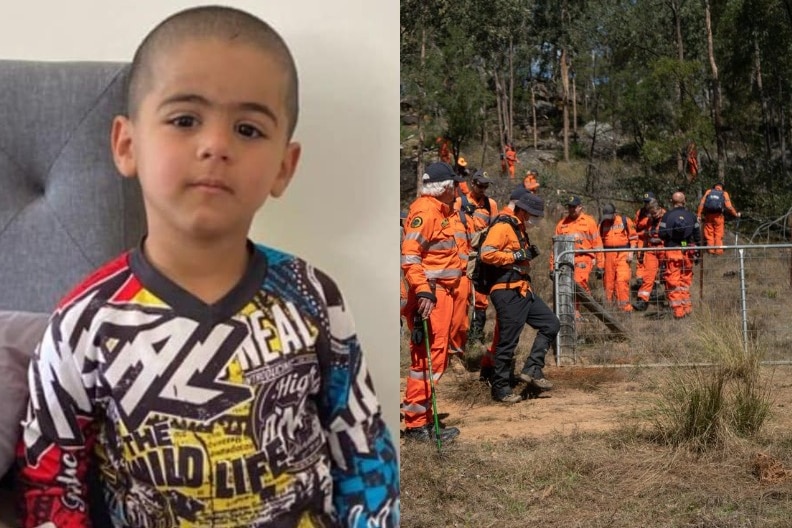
{"x": 224, "y": 23}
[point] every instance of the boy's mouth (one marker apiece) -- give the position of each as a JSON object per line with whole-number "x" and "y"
{"x": 212, "y": 185}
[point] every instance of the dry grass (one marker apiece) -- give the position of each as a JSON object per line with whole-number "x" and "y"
{"x": 700, "y": 453}
{"x": 697, "y": 456}
{"x": 616, "y": 479}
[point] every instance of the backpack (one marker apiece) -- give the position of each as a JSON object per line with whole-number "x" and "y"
{"x": 624, "y": 223}
{"x": 466, "y": 207}
{"x": 484, "y": 276}
{"x": 713, "y": 203}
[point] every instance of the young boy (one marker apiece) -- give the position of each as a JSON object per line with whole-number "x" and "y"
{"x": 210, "y": 381}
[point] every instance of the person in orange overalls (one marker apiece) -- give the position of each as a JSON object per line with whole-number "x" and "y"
{"x": 530, "y": 182}
{"x": 510, "y": 160}
{"x": 488, "y": 359}
{"x": 679, "y": 229}
{"x": 403, "y": 287}
{"x": 508, "y": 249}
{"x": 649, "y": 236}
{"x": 642, "y": 219}
{"x": 464, "y": 227}
{"x": 713, "y": 204}
{"x": 587, "y": 236}
{"x": 432, "y": 269}
{"x": 692, "y": 162}
{"x": 482, "y": 209}
{"x": 443, "y": 149}
{"x": 617, "y": 231}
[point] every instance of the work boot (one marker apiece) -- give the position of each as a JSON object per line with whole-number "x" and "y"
{"x": 640, "y": 305}
{"x": 426, "y": 433}
{"x": 506, "y": 397}
{"x": 476, "y": 332}
{"x": 510, "y": 398}
{"x": 536, "y": 380}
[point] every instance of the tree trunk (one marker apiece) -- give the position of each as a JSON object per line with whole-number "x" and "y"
{"x": 762, "y": 98}
{"x": 511, "y": 88}
{"x": 716, "y": 98}
{"x": 501, "y": 135}
{"x": 421, "y": 132}
{"x": 506, "y": 120}
{"x": 574, "y": 106}
{"x": 782, "y": 128}
{"x": 680, "y": 45}
{"x": 483, "y": 138}
{"x": 533, "y": 117}
{"x": 565, "y": 101}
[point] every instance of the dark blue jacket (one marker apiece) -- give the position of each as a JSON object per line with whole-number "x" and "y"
{"x": 679, "y": 227}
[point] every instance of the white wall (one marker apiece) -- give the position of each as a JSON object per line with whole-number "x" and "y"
{"x": 340, "y": 212}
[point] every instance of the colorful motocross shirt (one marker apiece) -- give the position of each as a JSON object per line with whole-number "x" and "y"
{"x": 255, "y": 411}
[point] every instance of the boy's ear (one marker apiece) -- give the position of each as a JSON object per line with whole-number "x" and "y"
{"x": 121, "y": 144}
{"x": 288, "y": 166}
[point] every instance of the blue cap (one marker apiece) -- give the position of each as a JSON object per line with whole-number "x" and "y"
{"x": 481, "y": 177}
{"x": 532, "y": 203}
{"x": 573, "y": 201}
{"x": 517, "y": 193}
{"x": 439, "y": 171}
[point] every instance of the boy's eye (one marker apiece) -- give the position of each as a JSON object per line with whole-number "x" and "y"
{"x": 184, "y": 121}
{"x": 249, "y": 131}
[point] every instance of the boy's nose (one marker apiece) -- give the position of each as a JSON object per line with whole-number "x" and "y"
{"x": 215, "y": 143}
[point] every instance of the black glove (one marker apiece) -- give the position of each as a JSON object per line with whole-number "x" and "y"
{"x": 469, "y": 209}
{"x": 552, "y": 275}
{"x": 599, "y": 273}
{"x": 696, "y": 256}
{"x": 640, "y": 257}
{"x": 533, "y": 252}
{"x": 417, "y": 336}
{"x": 521, "y": 255}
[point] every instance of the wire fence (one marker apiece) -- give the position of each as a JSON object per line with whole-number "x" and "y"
{"x": 745, "y": 291}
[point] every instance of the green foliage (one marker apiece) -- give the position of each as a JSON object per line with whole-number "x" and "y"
{"x": 641, "y": 65}
{"x": 465, "y": 94}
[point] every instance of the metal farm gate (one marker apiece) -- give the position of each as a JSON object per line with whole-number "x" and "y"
{"x": 743, "y": 295}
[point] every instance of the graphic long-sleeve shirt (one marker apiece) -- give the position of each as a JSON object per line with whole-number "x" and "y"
{"x": 256, "y": 411}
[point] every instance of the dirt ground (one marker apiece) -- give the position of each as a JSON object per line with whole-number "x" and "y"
{"x": 583, "y": 400}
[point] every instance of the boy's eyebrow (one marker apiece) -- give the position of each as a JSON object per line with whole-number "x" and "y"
{"x": 203, "y": 101}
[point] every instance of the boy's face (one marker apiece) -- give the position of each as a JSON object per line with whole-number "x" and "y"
{"x": 210, "y": 140}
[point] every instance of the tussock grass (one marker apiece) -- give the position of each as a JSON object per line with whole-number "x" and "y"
{"x": 703, "y": 407}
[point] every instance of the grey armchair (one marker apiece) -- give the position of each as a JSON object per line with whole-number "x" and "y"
{"x": 64, "y": 210}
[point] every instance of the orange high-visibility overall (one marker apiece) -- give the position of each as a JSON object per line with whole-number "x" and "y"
{"x": 587, "y": 236}
{"x": 714, "y": 223}
{"x": 647, "y": 272}
{"x": 431, "y": 264}
{"x": 618, "y": 233}
{"x": 511, "y": 160}
{"x": 481, "y": 220}
{"x": 444, "y": 150}
{"x": 678, "y": 279}
{"x": 460, "y": 320}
